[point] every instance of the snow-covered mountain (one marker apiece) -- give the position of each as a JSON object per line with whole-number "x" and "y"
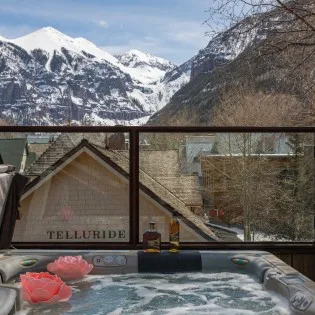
{"x": 211, "y": 70}
{"x": 227, "y": 46}
{"x": 145, "y": 67}
{"x": 47, "y": 77}
{"x": 50, "y": 40}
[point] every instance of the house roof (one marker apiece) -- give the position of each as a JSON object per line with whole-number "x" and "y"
{"x": 164, "y": 166}
{"x": 160, "y": 163}
{"x": 56, "y": 151}
{"x": 68, "y": 144}
{"x": 11, "y": 151}
{"x": 185, "y": 187}
{"x": 38, "y": 148}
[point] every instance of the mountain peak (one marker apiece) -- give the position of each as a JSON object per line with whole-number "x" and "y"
{"x": 136, "y": 52}
{"x": 49, "y": 29}
{"x": 137, "y": 59}
{"x": 46, "y": 38}
{"x": 50, "y": 39}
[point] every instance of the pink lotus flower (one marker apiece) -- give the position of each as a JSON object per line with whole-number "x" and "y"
{"x": 44, "y": 287}
{"x": 70, "y": 267}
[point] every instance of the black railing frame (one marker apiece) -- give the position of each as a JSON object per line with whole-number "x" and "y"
{"x": 134, "y": 132}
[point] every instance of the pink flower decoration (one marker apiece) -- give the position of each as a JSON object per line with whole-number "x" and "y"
{"x": 70, "y": 267}
{"x": 44, "y": 287}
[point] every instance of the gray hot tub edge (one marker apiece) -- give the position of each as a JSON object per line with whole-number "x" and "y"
{"x": 276, "y": 275}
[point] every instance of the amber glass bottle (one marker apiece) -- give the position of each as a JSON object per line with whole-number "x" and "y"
{"x": 174, "y": 233}
{"x": 152, "y": 240}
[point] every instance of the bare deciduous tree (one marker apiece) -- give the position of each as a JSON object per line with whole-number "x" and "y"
{"x": 243, "y": 106}
{"x": 269, "y": 194}
{"x": 294, "y": 18}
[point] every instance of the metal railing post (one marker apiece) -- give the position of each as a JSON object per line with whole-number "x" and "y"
{"x": 134, "y": 187}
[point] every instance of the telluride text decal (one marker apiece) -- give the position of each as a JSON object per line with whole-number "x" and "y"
{"x": 87, "y": 235}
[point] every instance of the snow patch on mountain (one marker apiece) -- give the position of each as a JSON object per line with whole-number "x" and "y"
{"x": 231, "y": 44}
{"x": 144, "y": 67}
{"x": 138, "y": 59}
{"x": 156, "y": 84}
{"x": 89, "y": 47}
{"x": 227, "y": 46}
{"x": 95, "y": 120}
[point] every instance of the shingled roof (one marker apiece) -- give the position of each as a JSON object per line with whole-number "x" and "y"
{"x": 160, "y": 163}
{"x": 57, "y": 150}
{"x": 164, "y": 167}
{"x": 163, "y": 189}
{"x": 38, "y": 148}
{"x": 185, "y": 187}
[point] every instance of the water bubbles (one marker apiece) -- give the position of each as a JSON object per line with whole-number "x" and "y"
{"x": 171, "y": 294}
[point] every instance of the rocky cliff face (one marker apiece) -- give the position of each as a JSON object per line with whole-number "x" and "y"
{"x": 227, "y": 46}
{"x": 48, "y": 78}
{"x": 213, "y": 68}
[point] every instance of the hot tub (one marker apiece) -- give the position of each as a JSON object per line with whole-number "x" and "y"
{"x": 198, "y": 282}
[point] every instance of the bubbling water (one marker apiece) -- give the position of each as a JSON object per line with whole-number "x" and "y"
{"x": 168, "y": 294}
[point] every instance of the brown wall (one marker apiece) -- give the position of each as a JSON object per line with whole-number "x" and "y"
{"x": 305, "y": 263}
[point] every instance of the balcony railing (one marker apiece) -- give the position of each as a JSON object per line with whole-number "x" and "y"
{"x": 134, "y": 185}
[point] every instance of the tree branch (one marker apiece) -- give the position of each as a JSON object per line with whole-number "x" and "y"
{"x": 284, "y": 6}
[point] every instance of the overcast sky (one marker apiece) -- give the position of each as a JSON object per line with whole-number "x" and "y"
{"x": 172, "y": 29}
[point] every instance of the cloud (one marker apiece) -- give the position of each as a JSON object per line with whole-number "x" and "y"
{"x": 103, "y": 24}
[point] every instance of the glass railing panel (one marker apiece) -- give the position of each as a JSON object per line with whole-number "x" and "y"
{"x": 78, "y": 189}
{"x": 254, "y": 187}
